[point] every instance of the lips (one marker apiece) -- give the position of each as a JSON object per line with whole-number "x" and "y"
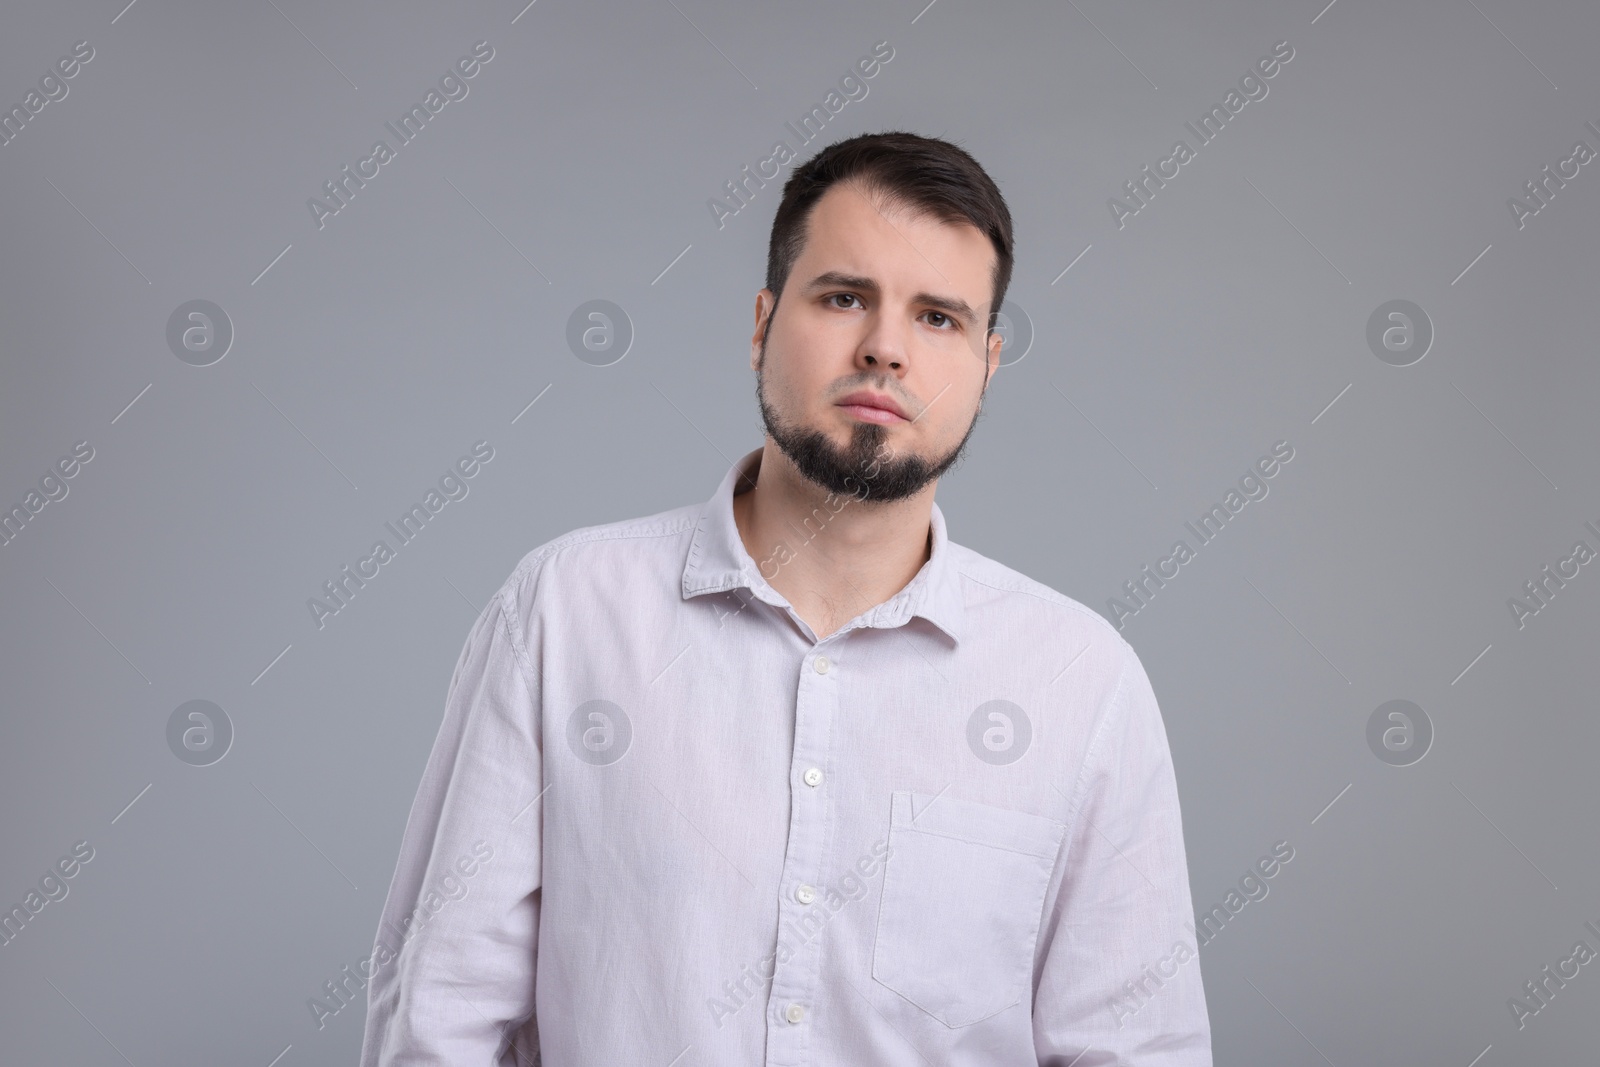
{"x": 873, "y": 400}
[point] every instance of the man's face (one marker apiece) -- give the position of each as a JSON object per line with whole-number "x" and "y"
{"x": 886, "y": 303}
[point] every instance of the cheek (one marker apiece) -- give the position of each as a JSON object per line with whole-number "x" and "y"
{"x": 782, "y": 382}
{"x": 802, "y": 366}
{"x": 956, "y": 388}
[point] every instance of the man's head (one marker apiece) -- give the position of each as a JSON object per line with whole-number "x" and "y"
{"x": 890, "y": 257}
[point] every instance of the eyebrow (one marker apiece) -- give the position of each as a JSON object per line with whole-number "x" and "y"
{"x": 838, "y": 279}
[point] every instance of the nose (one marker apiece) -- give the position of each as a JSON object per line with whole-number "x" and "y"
{"x": 884, "y": 345}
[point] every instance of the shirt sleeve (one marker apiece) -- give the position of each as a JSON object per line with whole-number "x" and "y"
{"x": 456, "y": 945}
{"x": 1120, "y": 978}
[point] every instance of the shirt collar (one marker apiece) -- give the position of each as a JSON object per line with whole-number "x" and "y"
{"x": 718, "y": 561}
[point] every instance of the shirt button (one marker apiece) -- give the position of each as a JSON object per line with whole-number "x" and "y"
{"x": 805, "y": 894}
{"x": 813, "y": 776}
{"x": 821, "y": 664}
{"x": 795, "y": 1013}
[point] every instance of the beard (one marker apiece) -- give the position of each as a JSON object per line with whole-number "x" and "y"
{"x": 845, "y": 470}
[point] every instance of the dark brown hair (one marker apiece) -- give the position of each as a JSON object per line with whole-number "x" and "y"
{"x": 924, "y": 174}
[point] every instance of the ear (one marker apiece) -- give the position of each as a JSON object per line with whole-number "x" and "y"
{"x": 766, "y": 303}
{"x": 992, "y": 355}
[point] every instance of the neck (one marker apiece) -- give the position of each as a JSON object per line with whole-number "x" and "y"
{"x": 832, "y": 556}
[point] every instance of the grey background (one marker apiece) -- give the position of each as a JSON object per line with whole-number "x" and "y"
{"x": 1229, "y": 314}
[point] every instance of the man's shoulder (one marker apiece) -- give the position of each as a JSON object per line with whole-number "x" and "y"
{"x": 646, "y": 539}
{"x": 988, "y": 583}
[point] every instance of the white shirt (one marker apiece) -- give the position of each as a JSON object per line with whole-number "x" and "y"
{"x": 662, "y": 824}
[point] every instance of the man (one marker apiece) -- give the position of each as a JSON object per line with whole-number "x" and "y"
{"x": 789, "y": 777}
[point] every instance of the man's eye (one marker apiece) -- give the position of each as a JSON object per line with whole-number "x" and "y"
{"x": 940, "y": 315}
{"x": 844, "y": 296}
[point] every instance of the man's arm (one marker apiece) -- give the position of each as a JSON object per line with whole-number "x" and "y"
{"x": 1120, "y": 980}
{"x": 456, "y": 945}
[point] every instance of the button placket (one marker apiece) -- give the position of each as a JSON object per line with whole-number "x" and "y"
{"x": 794, "y": 982}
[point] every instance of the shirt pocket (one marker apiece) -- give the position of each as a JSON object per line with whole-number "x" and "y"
{"x": 963, "y": 893}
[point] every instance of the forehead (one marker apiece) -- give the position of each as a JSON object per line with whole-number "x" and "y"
{"x": 857, "y": 232}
